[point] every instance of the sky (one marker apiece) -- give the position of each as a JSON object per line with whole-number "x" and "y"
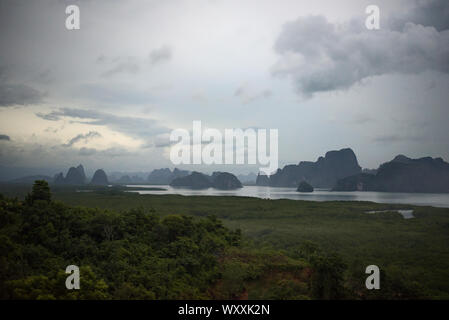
{"x": 109, "y": 94}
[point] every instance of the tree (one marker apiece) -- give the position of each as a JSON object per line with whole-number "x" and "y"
{"x": 40, "y": 191}
{"x": 327, "y": 279}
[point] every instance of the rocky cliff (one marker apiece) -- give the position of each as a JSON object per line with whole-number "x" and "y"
{"x": 100, "y": 178}
{"x": 323, "y": 173}
{"x": 75, "y": 176}
{"x": 165, "y": 176}
{"x": 225, "y": 181}
{"x": 195, "y": 180}
{"x": 218, "y": 180}
{"x": 402, "y": 174}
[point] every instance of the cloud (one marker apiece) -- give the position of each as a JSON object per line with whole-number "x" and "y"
{"x": 432, "y": 13}
{"x": 87, "y": 151}
{"x": 114, "y": 94}
{"x": 82, "y": 137}
{"x": 101, "y": 58}
{"x": 200, "y": 96}
{"x": 320, "y": 56}
{"x": 395, "y": 138}
{"x": 248, "y": 96}
{"x": 40, "y": 153}
{"x": 110, "y": 152}
{"x": 4, "y": 137}
{"x": 162, "y": 141}
{"x": 160, "y": 55}
{"x": 142, "y": 128}
{"x": 18, "y": 94}
{"x": 48, "y": 116}
{"x": 361, "y": 119}
{"x": 124, "y": 65}
{"x": 388, "y": 138}
{"x": 132, "y": 65}
{"x": 13, "y": 92}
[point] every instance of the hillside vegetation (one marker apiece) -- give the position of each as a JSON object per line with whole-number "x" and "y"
{"x": 132, "y": 246}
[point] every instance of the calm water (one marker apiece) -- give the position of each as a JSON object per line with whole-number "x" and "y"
{"x": 431, "y": 199}
{"x": 406, "y": 214}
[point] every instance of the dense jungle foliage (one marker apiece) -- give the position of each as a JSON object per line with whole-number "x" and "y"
{"x": 130, "y": 246}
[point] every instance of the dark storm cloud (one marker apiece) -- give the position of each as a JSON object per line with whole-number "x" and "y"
{"x": 15, "y": 93}
{"x": 433, "y": 13}
{"x": 82, "y": 137}
{"x": 18, "y": 94}
{"x": 4, "y": 137}
{"x": 133, "y": 126}
{"x": 321, "y": 56}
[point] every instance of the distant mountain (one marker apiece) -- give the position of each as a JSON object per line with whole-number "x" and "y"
{"x": 218, "y": 180}
{"x": 80, "y": 169}
{"x": 137, "y": 179}
{"x": 195, "y": 180}
{"x": 323, "y": 173}
{"x": 358, "y": 182}
{"x": 31, "y": 179}
{"x": 160, "y": 176}
{"x": 100, "y": 178}
{"x": 402, "y": 174}
{"x": 369, "y": 171}
{"x": 127, "y": 177}
{"x": 12, "y": 172}
{"x": 165, "y": 176}
{"x": 59, "y": 178}
{"x": 225, "y": 181}
{"x": 124, "y": 180}
{"x": 75, "y": 176}
{"x": 249, "y": 178}
{"x": 262, "y": 180}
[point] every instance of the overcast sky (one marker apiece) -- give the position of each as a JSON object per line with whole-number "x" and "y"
{"x": 108, "y": 95}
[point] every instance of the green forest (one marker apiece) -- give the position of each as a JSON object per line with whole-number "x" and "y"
{"x": 131, "y": 246}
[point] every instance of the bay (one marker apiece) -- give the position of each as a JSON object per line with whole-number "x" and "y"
{"x": 422, "y": 199}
